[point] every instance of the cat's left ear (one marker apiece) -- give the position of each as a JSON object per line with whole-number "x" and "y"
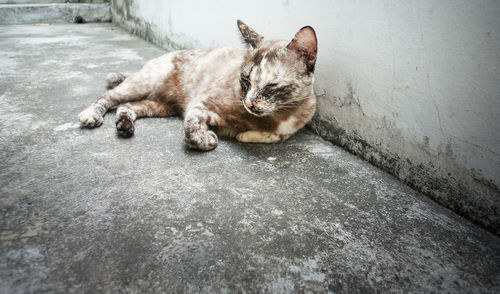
{"x": 249, "y": 35}
{"x": 305, "y": 45}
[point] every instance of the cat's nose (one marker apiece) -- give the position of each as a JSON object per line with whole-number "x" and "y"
{"x": 249, "y": 105}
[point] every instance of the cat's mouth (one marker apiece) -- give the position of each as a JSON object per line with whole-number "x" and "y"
{"x": 253, "y": 110}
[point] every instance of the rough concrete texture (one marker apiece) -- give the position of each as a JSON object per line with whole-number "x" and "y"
{"x": 53, "y": 13}
{"x": 85, "y": 211}
{"x": 469, "y": 197}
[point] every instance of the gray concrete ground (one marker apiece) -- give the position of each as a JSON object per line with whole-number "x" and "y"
{"x": 85, "y": 211}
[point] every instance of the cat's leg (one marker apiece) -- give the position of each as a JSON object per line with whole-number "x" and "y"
{"x": 196, "y": 132}
{"x": 127, "y": 113}
{"x": 260, "y": 137}
{"x": 132, "y": 89}
{"x": 114, "y": 79}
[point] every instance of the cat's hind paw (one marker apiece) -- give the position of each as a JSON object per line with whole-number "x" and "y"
{"x": 125, "y": 126}
{"x": 259, "y": 137}
{"x": 201, "y": 140}
{"x": 89, "y": 118}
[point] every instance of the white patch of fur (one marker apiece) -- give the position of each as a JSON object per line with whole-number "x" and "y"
{"x": 194, "y": 111}
{"x": 90, "y": 117}
{"x": 264, "y": 75}
{"x": 213, "y": 118}
{"x": 312, "y": 100}
{"x": 288, "y": 126}
{"x": 253, "y": 74}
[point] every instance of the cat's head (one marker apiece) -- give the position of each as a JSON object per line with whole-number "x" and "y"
{"x": 277, "y": 74}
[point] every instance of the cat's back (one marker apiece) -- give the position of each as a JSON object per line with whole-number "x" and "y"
{"x": 208, "y": 63}
{"x": 215, "y": 58}
{"x": 202, "y": 71}
{"x": 200, "y": 60}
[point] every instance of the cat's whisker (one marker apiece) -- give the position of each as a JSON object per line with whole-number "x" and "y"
{"x": 289, "y": 106}
{"x": 284, "y": 110}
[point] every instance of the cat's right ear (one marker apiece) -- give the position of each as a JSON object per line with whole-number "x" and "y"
{"x": 249, "y": 35}
{"x": 305, "y": 45}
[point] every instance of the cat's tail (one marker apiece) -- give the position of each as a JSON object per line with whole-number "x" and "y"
{"x": 114, "y": 79}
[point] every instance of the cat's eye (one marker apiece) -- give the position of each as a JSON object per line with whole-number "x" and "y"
{"x": 284, "y": 90}
{"x": 245, "y": 83}
{"x": 272, "y": 89}
{"x": 269, "y": 89}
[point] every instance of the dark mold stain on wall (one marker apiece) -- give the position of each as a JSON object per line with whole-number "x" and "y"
{"x": 468, "y": 195}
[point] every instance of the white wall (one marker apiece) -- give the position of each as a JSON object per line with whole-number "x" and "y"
{"x": 418, "y": 80}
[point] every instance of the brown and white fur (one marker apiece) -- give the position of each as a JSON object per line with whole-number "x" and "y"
{"x": 262, "y": 94}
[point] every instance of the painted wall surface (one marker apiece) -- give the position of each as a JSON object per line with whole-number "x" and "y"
{"x": 412, "y": 86}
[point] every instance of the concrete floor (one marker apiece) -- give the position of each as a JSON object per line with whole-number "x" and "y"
{"x": 85, "y": 211}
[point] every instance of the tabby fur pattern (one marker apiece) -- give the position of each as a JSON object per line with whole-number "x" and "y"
{"x": 260, "y": 94}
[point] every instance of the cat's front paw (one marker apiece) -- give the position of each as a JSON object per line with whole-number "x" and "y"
{"x": 90, "y": 118}
{"x": 201, "y": 140}
{"x": 125, "y": 125}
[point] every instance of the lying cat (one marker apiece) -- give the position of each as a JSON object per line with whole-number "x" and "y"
{"x": 262, "y": 94}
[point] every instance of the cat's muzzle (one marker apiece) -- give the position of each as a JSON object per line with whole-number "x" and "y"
{"x": 253, "y": 108}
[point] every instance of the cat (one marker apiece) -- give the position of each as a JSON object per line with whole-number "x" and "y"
{"x": 260, "y": 94}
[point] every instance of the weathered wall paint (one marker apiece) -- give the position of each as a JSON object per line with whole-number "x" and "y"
{"x": 413, "y": 87}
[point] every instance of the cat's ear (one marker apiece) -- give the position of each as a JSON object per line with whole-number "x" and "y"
{"x": 305, "y": 45}
{"x": 249, "y": 35}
